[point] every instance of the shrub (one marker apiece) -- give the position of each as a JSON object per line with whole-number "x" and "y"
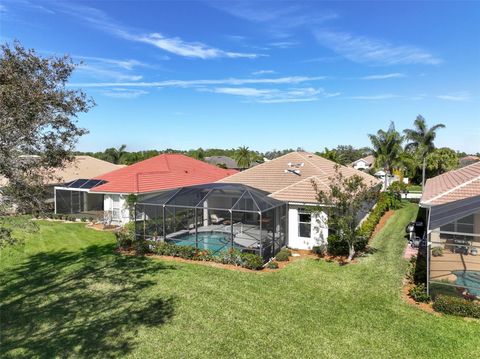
{"x": 126, "y": 235}
{"x": 204, "y": 255}
{"x": 272, "y": 265}
{"x": 419, "y": 293}
{"x": 251, "y": 261}
{"x": 337, "y": 246}
{"x": 283, "y": 255}
{"x": 437, "y": 251}
{"x": 319, "y": 250}
{"x": 232, "y": 256}
{"x": 83, "y": 219}
{"x": 456, "y": 306}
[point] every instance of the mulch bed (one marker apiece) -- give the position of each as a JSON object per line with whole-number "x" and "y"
{"x": 382, "y": 222}
{"x": 426, "y": 307}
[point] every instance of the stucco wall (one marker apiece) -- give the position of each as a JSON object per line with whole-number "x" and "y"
{"x": 115, "y": 207}
{"x": 318, "y": 232}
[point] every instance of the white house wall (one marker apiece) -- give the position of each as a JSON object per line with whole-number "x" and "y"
{"x": 318, "y": 232}
{"x": 116, "y": 208}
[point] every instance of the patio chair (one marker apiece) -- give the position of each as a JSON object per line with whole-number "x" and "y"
{"x": 215, "y": 219}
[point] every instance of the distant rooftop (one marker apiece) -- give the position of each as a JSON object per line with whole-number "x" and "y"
{"x": 290, "y": 177}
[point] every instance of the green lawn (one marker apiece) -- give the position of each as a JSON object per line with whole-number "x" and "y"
{"x": 66, "y": 294}
{"x": 414, "y": 188}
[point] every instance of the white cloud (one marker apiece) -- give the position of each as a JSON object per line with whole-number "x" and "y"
{"x": 462, "y": 96}
{"x": 367, "y": 50}
{"x": 263, "y": 72}
{"x": 374, "y": 97}
{"x": 289, "y": 80}
{"x": 179, "y": 47}
{"x": 124, "y": 93}
{"x": 175, "y": 45}
{"x": 274, "y": 95}
{"x": 128, "y": 64}
{"x": 284, "y": 44}
{"x": 103, "y": 73}
{"x": 394, "y": 75}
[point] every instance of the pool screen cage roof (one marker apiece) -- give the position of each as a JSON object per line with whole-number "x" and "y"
{"x": 214, "y": 216}
{"x": 83, "y": 183}
{"x": 242, "y": 198}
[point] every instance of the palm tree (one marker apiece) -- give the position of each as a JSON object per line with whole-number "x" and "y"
{"x": 421, "y": 140}
{"x": 387, "y": 149}
{"x": 116, "y": 155}
{"x": 243, "y": 157}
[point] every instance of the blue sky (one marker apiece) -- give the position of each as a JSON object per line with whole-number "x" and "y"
{"x": 259, "y": 73}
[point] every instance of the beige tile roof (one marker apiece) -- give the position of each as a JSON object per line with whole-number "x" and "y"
{"x": 452, "y": 186}
{"x": 80, "y": 167}
{"x": 284, "y": 185}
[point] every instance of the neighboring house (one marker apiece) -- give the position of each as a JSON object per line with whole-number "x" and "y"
{"x": 224, "y": 161}
{"x": 364, "y": 164}
{"x": 468, "y": 160}
{"x": 452, "y": 201}
{"x": 106, "y": 195}
{"x": 289, "y": 178}
{"x": 80, "y": 167}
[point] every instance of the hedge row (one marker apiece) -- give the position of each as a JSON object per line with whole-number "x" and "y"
{"x": 232, "y": 256}
{"x": 386, "y": 201}
{"x": 456, "y": 306}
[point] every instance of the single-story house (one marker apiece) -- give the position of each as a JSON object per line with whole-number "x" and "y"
{"x": 289, "y": 179}
{"x": 105, "y": 195}
{"x": 468, "y": 160}
{"x": 80, "y": 167}
{"x": 452, "y": 201}
{"x": 364, "y": 164}
{"x": 222, "y": 161}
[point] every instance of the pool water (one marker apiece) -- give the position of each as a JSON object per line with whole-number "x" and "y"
{"x": 213, "y": 241}
{"x": 469, "y": 280}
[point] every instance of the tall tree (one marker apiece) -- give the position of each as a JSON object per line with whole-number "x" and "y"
{"x": 343, "y": 202}
{"x": 243, "y": 157}
{"x": 116, "y": 155}
{"x": 421, "y": 141}
{"x": 38, "y": 129}
{"x": 387, "y": 149}
{"x": 442, "y": 160}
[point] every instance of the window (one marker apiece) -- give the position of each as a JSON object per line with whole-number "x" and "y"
{"x": 304, "y": 224}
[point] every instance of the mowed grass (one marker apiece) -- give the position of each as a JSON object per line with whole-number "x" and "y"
{"x": 65, "y": 293}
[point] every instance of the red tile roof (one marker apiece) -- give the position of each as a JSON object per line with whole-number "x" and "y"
{"x": 452, "y": 186}
{"x": 159, "y": 173}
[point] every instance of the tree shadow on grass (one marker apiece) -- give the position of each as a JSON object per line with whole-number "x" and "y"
{"x": 89, "y": 303}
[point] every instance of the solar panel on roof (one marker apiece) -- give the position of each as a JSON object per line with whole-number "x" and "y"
{"x": 84, "y": 183}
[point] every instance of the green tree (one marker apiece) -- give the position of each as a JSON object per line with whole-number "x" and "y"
{"x": 387, "y": 149}
{"x": 243, "y": 157}
{"x": 38, "y": 129}
{"x": 116, "y": 155}
{"x": 331, "y": 155}
{"x": 441, "y": 160}
{"x": 421, "y": 141}
{"x": 343, "y": 202}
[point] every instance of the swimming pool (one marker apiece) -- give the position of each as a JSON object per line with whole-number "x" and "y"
{"x": 214, "y": 241}
{"x": 470, "y": 280}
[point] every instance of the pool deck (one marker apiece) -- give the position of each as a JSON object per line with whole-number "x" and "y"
{"x": 442, "y": 267}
